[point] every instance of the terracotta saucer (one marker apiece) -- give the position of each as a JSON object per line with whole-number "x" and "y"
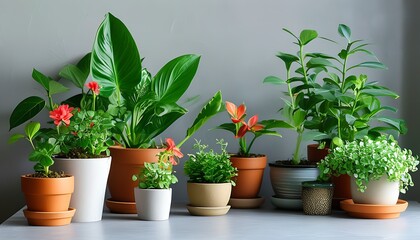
{"x": 208, "y": 211}
{"x": 286, "y": 203}
{"x": 373, "y": 211}
{"x": 121, "y": 207}
{"x": 49, "y": 218}
{"x": 246, "y": 202}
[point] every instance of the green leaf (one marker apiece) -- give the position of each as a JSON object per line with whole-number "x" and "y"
{"x": 274, "y": 80}
{"x": 41, "y": 79}
{"x": 314, "y": 136}
{"x": 25, "y": 110}
{"x": 269, "y": 124}
{"x": 15, "y": 137}
{"x": 289, "y": 32}
{"x": 56, "y": 87}
{"x": 377, "y": 65}
{"x": 213, "y": 106}
{"x": 228, "y": 126}
{"x": 380, "y": 92}
{"x": 31, "y": 129}
{"x": 115, "y": 59}
{"x": 398, "y": 124}
{"x": 298, "y": 117}
{"x": 307, "y": 35}
{"x": 287, "y": 58}
{"x": 74, "y": 74}
{"x": 344, "y": 31}
{"x": 350, "y": 119}
{"x": 267, "y": 132}
{"x": 84, "y": 65}
{"x": 319, "y": 62}
{"x": 175, "y": 77}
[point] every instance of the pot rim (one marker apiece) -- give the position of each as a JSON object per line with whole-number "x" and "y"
{"x": 278, "y": 164}
{"x": 317, "y": 184}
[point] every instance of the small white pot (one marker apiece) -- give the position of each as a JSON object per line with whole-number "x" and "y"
{"x": 379, "y": 192}
{"x": 90, "y": 177}
{"x": 153, "y": 204}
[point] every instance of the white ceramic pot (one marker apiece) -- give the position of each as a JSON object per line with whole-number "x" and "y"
{"x": 379, "y": 192}
{"x": 153, "y": 204}
{"x": 90, "y": 177}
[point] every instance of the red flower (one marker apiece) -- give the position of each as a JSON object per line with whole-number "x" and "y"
{"x": 173, "y": 150}
{"x": 252, "y": 126}
{"x": 236, "y": 113}
{"x": 92, "y": 124}
{"x": 61, "y": 114}
{"x": 94, "y": 86}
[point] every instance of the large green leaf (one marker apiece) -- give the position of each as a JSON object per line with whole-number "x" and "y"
{"x": 74, "y": 74}
{"x": 41, "y": 79}
{"x": 84, "y": 64}
{"x": 56, "y": 87}
{"x": 213, "y": 106}
{"x": 272, "y": 123}
{"x": 380, "y": 92}
{"x": 115, "y": 62}
{"x": 228, "y": 126}
{"x": 26, "y": 110}
{"x": 307, "y": 35}
{"x": 344, "y": 31}
{"x": 175, "y": 77}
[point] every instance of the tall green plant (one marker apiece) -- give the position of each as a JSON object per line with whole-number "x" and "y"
{"x": 144, "y": 106}
{"x": 301, "y": 84}
{"x": 351, "y": 107}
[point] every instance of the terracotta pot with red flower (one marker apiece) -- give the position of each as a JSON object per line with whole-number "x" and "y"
{"x": 250, "y": 165}
{"x": 77, "y": 145}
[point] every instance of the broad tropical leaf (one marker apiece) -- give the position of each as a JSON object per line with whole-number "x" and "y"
{"x": 41, "y": 79}
{"x": 115, "y": 58}
{"x": 173, "y": 79}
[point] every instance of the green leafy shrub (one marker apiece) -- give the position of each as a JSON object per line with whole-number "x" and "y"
{"x": 209, "y": 166}
{"x": 156, "y": 175}
{"x": 368, "y": 159}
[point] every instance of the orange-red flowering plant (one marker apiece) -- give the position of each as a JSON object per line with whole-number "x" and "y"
{"x": 240, "y": 127}
{"x": 77, "y": 132}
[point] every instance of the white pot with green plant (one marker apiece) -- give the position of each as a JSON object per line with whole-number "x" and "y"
{"x": 211, "y": 177}
{"x": 379, "y": 169}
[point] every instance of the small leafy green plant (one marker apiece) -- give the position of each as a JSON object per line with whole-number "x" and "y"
{"x": 209, "y": 166}
{"x": 368, "y": 159}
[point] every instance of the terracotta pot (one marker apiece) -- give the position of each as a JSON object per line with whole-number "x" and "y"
{"x": 209, "y": 194}
{"x": 47, "y": 194}
{"x": 342, "y": 189}
{"x": 125, "y": 163}
{"x": 250, "y": 175}
{"x": 49, "y": 218}
{"x": 315, "y": 154}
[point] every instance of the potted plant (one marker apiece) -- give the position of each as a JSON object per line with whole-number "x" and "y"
{"x": 211, "y": 177}
{"x": 47, "y": 193}
{"x": 317, "y": 197}
{"x": 250, "y": 165}
{"x": 153, "y": 194}
{"x": 379, "y": 169}
{"x": 82, "y": 139}
{"x": 351, "y": 106}
{"x": 142, "y": 105}
{"x": 299, "y": 107}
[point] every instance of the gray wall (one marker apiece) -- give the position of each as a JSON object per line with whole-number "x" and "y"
{"x": 237, "y": 40}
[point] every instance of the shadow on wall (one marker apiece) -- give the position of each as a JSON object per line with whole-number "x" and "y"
{"x": 411, "y": 85}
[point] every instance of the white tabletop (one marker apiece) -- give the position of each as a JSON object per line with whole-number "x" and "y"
{"x": 264, "y": 223}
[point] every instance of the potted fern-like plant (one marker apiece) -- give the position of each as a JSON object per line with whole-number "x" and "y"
{"x": 211, "y": 177}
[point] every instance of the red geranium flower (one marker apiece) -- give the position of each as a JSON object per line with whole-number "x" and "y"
{"x": 94, "y": 86}
{"x": 236, "y": 113}
{"x": 61, "y": 114}
{"x": 173, "y": 150}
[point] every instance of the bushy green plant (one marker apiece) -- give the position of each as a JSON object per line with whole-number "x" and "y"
{"x": 209, "y": 166}
{"x": 158, "y": 175}
{"x": 368, "y": 159}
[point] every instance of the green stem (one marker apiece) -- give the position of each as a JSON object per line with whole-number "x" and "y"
{"x": 302, "y": 63}
{"x": 32, "y": 144}
{"x": 296, "y": 158}
{"x": 94, "y": 101}
{"x": 342, "y": 90}
{"x": 46, "y": 170}
{"x": 289, "y": 89}
{"x": 242, "y": 145}
{"x": 250, "y": 145}
{"x": 50, "y": 101}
